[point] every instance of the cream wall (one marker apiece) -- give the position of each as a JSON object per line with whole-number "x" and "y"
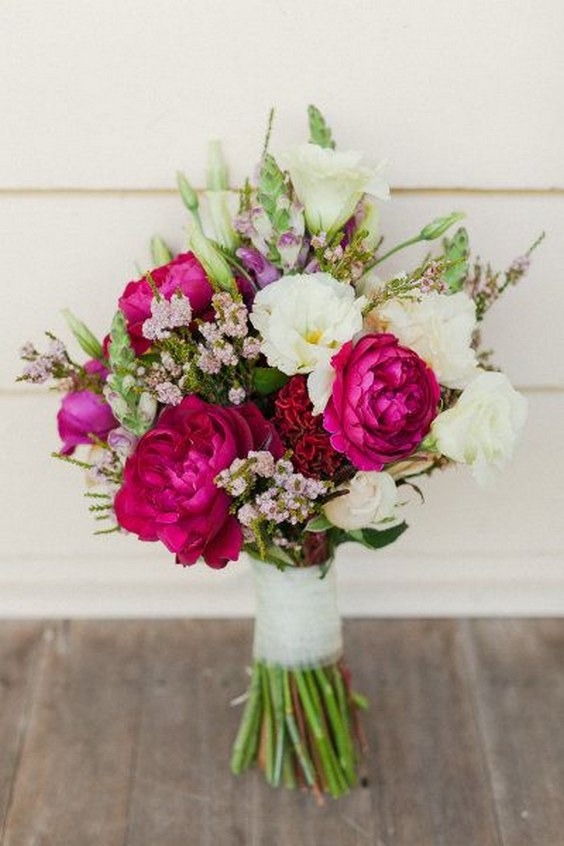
{"x": 101, "y": 102}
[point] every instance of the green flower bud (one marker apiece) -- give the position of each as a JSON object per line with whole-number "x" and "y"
{"x": 188, "y": 194}
{"x": 209, "y": 256}
{"x": 216, "y": 175}
{"x": 439, "y": 226}
{"x": 160, "y": 252}
{"x": 89, "y": 343}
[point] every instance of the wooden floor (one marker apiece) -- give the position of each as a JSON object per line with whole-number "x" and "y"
{"x": 118, "y": 734}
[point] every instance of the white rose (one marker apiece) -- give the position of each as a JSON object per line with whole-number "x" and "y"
{"x": 439, "y": 328}
{"x": 482, "y": 428}
{"x": 304, "y": 320}
{"x": 371, "y": 500}
{"x": 330, "y": 183}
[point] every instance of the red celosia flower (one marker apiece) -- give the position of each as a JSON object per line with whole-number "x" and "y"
{"x": 303, "y": 432}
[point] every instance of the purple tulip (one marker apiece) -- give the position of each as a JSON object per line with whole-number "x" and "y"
{"x": 83, "y": 413}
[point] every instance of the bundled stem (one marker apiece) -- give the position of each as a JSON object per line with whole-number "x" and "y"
{"x": 300, "y": 726}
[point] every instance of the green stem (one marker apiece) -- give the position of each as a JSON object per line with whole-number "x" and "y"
{"x": 395, "y": 249}
{"x": 301, "y": 753}
{"x": 267, "y": 725}
{"x": 245, "y": 745}
{"x": 277, "y": 696}
{"x": 325, "y": 722}
{"x": 339, "y": 725}
{"x": 320, "y": 737}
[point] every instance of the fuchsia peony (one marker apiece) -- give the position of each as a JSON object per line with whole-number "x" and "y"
{"x": 185, "y": 274}
{"x": 169, "y": 492}
{"x": 383, "y": 402}
{"x": 83, "y": 413}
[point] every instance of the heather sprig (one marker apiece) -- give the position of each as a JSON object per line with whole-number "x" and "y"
{"x": 486, "y": 286}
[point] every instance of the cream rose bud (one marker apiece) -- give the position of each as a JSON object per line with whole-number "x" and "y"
{"x": 304, "y": 319}
{"x": 371, "y": 501}
{"x": 439, "y": 328}
{"x": 329, "y": 184}
{"x": 482, "y": 428}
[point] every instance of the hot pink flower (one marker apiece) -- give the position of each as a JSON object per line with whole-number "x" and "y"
{"x": 383, "y": 402}
{"x": 83, "y": 413}
{"x": 169, "y": 492}
{"x": 185, "y": 274}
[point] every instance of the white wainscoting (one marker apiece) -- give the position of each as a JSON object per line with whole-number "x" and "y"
{"x": 102, "y": 102}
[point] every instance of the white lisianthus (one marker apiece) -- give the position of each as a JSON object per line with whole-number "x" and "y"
{"x": 329, "y": 184}
{"x": 439, "y": 328}
{"x": 482, "y": 428}
{"x": 370, "y": 503}
{"x": 304, "y": 319}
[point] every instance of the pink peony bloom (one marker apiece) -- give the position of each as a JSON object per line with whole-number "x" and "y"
{"x": 383, "y": 402}
{"x": 83, "y": 413}
{"x": 184, "y": 274}
{"x": 169, "y": 493}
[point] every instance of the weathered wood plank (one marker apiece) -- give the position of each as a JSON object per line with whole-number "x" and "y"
{"x": 182, "y": 791}
{"x": 428, "y": 775}
{"x": 518, "y": 669}
{"x": 72, "y": 784}
{"x": 20, "y": 650}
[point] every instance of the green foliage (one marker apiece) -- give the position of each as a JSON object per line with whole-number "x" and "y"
{"x": 271, "y": 191}
{"x": 266, "y": 380}
{"x": 87, "y": 340}
{"x": 319, "y": 524}
{"x": 457, "y": 251}
{"x": 133, "y": 408}
{"x": 375, "y": 538}
{"x": 319, "y": 132}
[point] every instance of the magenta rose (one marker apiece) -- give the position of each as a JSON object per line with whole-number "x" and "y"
{"x": 185, "y": 274}
{"x": 383, "y": 402}
{"x": 83, "y": 413}
{"x": 169, "y": 494}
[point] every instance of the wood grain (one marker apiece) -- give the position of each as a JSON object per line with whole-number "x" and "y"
{"x": 428, "y": 774}
{"x": 21, "y": 649}
{"x": 518, "y": 683}
{"x": 119, "y": 733}
{"x": 73, "y": 781}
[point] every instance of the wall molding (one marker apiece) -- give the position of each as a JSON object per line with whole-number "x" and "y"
{"x": 391, "y": 585}
{"x": 146, "y": 190}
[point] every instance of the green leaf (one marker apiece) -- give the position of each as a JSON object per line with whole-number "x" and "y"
{"x": 319, "y": 524}
{"x": 89, "y": 342}
{"x": 266, "y": 380}
{"x": 376, "y": 539}
{"x": 319, "y": 132}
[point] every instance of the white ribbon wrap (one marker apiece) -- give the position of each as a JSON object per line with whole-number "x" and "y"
{"x": 297, "y": 619}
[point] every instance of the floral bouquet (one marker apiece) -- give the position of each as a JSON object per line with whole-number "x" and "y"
{"x": 267, "y": 393}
